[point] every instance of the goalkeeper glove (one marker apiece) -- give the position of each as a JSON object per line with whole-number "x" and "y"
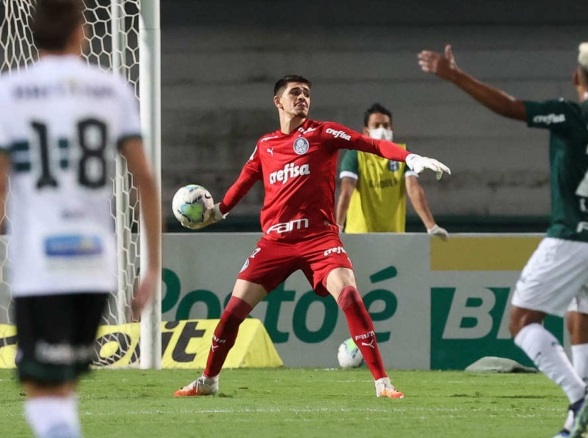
{"x": 436, "y": 230}
{"x": 214, "y": 215}
{"x": 211, "y": 216}
{"x": 418, "y": 164}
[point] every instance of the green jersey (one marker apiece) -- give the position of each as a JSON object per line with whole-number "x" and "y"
{"x": 568, "y": 157}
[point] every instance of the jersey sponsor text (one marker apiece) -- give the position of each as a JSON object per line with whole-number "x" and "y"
{"x": 286, "y": 227}
{"x": 550, "y": 118}
{"x": 338, "y": 134}
{"x": 336, "y": 250}
{"x": 289, "y": 171}
{"x": 62, "y": 89}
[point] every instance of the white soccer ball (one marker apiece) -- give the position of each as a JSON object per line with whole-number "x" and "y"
{"x": 190, "y": 203}
{"x": 348, "y": 355}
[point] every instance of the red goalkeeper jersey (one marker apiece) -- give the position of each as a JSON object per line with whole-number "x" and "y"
{"x": 298, "y": 172}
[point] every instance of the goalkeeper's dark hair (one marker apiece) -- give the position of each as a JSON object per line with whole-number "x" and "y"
{"x": 376, "y": 108}
{"x": 55, "y": 21}
{"x": 282, "y": 83}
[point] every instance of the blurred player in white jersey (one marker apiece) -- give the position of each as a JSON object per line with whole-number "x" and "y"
{"x": 297, "y": 166}
{"x": 557, "y": 273}
{"x": 61, "y": 125}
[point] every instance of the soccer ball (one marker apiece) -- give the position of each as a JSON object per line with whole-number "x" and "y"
{"x": 348, "y": 355}
{"x": 190, "y": 203}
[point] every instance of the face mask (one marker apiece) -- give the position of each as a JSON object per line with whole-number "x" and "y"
{"x": 381, "y": 133}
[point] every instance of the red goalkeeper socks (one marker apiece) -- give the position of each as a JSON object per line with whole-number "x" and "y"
{"x": 362, "y": 330}
{"x": 225, "y": 334}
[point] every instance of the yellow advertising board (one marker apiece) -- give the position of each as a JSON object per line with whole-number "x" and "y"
{"x": 185, "y": 344}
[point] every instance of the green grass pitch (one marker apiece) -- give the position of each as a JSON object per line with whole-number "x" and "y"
{"x": 303, "y": 403}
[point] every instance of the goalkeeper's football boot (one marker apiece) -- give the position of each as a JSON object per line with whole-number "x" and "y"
{"x": 201, "y": 386}
{"x": 384, "y": 388}
{"x": 573, "y": 415}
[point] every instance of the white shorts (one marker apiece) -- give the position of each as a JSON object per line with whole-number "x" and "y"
{"x": 580, "y": 302}
{"x": 555, "y": 278}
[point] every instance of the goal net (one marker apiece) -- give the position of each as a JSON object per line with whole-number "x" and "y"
{"x": 113, "y": 36}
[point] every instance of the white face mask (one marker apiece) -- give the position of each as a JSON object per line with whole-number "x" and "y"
{"x": 381, "y": 133}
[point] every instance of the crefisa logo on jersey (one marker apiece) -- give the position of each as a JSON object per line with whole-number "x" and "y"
{"x": 301, "y": 145}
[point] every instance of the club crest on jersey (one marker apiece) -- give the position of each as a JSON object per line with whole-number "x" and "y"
{"x": 301, "y": 145}
{"x": 393, "y": 166}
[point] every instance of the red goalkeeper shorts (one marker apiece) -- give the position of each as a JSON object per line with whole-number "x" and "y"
{"x": 272, "y": 262}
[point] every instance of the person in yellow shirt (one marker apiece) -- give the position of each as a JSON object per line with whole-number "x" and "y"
{"x": 373, "y": 189}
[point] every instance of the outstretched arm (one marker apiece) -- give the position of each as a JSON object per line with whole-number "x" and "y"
{"x": 341, "y": 137}
{"x": 417, "y": 197}
{"x": 446, "y": 68}
{"x": 240, "y": 188}
{"x": 248, "y": 177}
{"x": 392, "y": 151}
{"x": 250, "y": 174}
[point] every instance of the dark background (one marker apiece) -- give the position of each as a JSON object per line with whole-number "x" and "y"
{"x": 220, "y": 60}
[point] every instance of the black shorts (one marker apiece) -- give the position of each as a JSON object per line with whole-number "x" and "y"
{"x": 56, "y": 335}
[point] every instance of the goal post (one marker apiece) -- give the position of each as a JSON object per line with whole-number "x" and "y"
{"x": 150, "y": 92}
{"x": 123, "y": 36}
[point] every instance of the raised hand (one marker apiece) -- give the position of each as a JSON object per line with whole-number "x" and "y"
{"x": 442, "y": 65}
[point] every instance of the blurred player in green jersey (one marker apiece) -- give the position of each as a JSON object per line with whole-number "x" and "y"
{"x": 557, "y": 273}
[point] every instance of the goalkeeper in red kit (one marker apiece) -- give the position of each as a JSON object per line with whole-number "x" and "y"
{"x": 297, "y": 165}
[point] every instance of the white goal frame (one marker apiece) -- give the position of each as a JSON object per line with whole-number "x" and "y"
{"x": 150, "y": 104}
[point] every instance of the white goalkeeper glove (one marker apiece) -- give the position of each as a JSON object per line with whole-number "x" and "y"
{"x": 436, "y": 230}
{"x": 418, "y": 164}
{"x": 214, "y": 214}
{"x": 211, "y": 216}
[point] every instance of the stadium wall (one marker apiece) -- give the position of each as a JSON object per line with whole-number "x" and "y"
{"x": 435, "y": 305}
{"x": 220, "y": 62}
